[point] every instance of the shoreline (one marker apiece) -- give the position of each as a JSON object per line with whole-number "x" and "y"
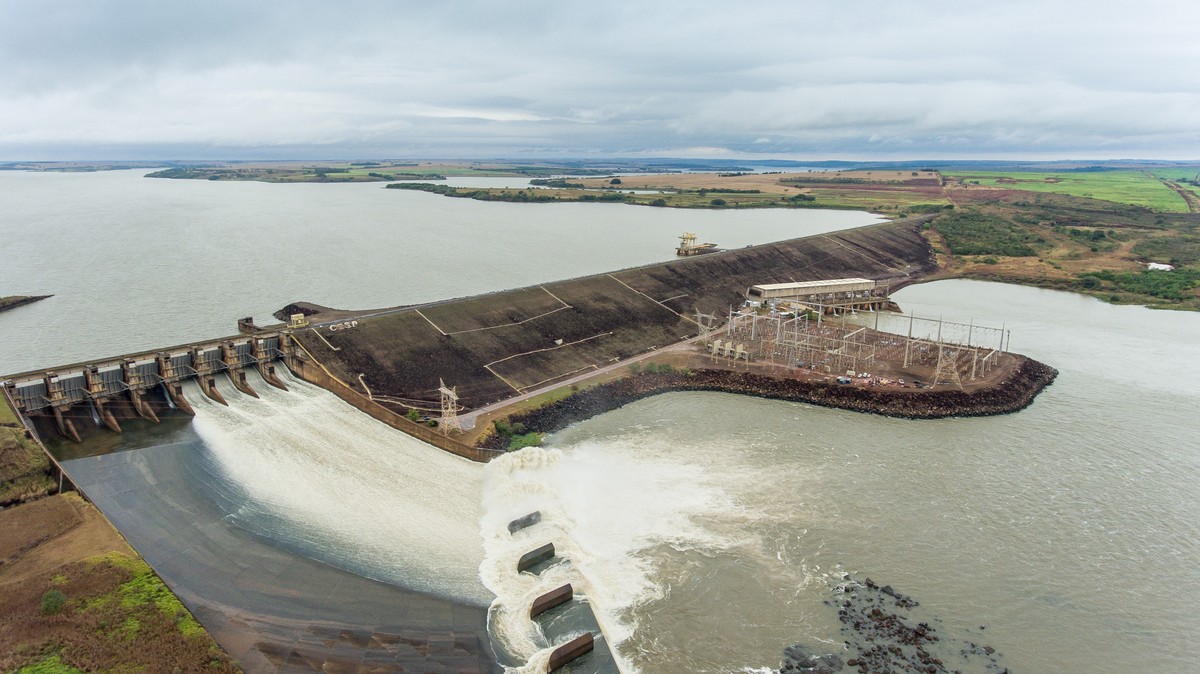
{"x": 14, "y": 301}
{"x": 1011, "y": 394}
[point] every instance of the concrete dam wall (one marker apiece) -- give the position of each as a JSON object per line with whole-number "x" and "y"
{"x": 143, "y": 384}
{"x": 492, "y": 347}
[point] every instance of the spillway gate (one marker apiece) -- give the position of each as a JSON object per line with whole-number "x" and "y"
{"x": 130, "y": 379}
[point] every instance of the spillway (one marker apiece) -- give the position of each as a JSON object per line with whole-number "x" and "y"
{"x": 329, "y": 482}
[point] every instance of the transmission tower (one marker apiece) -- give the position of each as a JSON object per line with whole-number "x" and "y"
{"x": 707, "y": 323}
{"x": 449, "y": 420}
{"x": 947, "y": 367}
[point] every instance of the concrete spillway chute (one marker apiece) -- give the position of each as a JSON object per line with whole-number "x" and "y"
{"x": 170, "y": 379}
{"x": 136, "y": 382}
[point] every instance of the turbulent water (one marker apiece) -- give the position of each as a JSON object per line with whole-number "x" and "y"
{"x": 598, "y": 508}
{"x": 329, "y": 482}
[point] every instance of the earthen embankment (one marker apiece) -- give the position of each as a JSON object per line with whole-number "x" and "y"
{"x": 1010, "y": 394}
{"x": 492, "y": 347}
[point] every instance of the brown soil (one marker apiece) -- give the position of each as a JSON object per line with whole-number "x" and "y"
{"x": 63, "y": 543}
{"x": 48, "y": 533}
{"x": 1193, "y": 201}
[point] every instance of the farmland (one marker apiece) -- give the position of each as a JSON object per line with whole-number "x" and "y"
{"x": 1138, "y": 188}
{"x": 353, "y": 172}
{"x": 891, "y": 192}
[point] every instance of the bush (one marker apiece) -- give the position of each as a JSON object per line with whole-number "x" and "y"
{"x": 413, "y": 415}
{"x": 975, "y": 233}
{"x": 615, "y": 181}
{"x": 659, "y": 202}
{"x": 523, "y": 441}
{"x": 1181, "y": 249}
{"x": 717, "y": 202}
{"x": 53, "y": 602}
{"x": 1169, "y": 285}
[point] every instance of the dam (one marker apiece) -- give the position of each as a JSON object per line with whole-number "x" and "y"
{"x": 491, "y": 347}
{"x": 499, "y": 345}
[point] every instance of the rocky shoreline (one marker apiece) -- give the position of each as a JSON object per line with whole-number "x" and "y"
{"x": 1011, "y": 394}
{"x": 884, "y": 631}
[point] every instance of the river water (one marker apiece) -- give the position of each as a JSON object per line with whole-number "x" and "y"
{"x": 705, "y": 529}
{"x": 1069, "y": 529}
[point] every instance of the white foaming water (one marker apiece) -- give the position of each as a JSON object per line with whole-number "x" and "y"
{"x": 603, "y": 505}
{"x": 354, "y": 491}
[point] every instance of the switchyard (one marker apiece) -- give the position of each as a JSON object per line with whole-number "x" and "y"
{"x": 928, "y": 352}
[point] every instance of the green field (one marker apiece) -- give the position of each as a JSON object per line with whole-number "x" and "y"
{"x": 1138, "y": 188}
{"x": 1179, "y": 176}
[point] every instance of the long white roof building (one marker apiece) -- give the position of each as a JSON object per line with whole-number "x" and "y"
{"x": 809, "y": 288}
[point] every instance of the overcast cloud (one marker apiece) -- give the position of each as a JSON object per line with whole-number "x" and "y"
{"x": 131, "y": 80}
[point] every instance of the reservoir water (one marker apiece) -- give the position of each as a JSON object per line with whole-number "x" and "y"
{"x": 139, "y": 263}
{"x": 705, "y": 529}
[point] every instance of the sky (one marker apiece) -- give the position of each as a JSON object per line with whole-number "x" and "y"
{"x": 94, "y": 80}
